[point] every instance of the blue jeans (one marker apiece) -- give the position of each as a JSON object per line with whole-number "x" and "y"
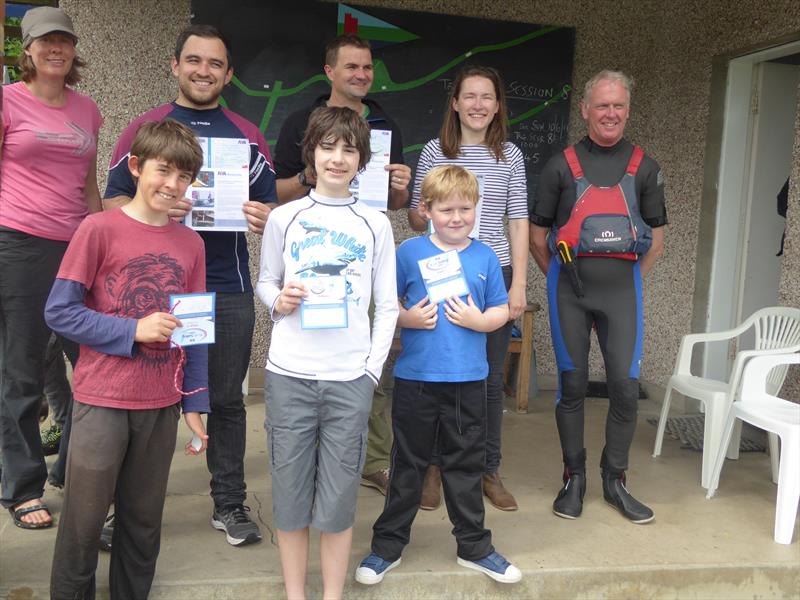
{"x": 228, "y": 361}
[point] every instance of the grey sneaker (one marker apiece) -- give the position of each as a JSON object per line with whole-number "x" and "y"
{"x": 236, "y": 523}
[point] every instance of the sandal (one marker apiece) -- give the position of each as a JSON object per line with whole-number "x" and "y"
{"x": 21, "y": 512}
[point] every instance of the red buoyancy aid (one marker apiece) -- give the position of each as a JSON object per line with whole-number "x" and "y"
{"x": 605, "y": 221}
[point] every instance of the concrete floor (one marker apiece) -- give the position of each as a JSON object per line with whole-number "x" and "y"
{"x": 695, "y": 548}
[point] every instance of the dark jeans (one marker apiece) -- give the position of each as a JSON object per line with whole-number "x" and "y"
{"x": 56, "y": 385}
{"x": 228, "y": 361}
{"x": 28, "y": 266}
{"x": 458, "y": 412}
{"x": 122, "y": 456}
{"x": 496, "y": 350}
{"x": 59, "y": 468}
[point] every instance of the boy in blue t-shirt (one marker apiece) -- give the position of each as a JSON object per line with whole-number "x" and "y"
{"x": 440, "y": 379}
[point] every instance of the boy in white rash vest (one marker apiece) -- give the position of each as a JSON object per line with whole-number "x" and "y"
{"x": 320, "y": 380}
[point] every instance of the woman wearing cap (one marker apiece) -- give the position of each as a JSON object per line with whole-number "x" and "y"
{"x": 48, "y": 184}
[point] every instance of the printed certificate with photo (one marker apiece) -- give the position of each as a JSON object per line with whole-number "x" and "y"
{"x": 372, "y": 185}
{"x": 221, "y": 187}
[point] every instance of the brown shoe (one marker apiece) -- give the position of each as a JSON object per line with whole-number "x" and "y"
{"x": 498, "y": 495}
{"x": 431, "y": 489}
{"x": 379, "y": 480}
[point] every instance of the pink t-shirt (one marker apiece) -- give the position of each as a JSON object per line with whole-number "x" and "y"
{"x": 129, "y": 270}
{"x": 47, "y": 153}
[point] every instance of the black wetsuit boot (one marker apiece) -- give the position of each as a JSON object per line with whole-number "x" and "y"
{"x": 618, "y": 496}
{"x": 569, "y": 502}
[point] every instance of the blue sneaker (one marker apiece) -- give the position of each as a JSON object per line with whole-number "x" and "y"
{"x": 495, "y": 566}
{"x": 373, "y": 568}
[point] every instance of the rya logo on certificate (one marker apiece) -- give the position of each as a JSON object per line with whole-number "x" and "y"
{"x": 443, "y": 276}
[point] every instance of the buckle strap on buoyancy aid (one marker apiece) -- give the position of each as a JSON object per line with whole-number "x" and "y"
{"x": 577, "y": 170}
{"x": 573, "y": 163}
{"x": 635, "y": 161}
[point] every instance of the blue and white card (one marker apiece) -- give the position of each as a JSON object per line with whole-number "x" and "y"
{"x": 443, "y": 276}
{"x": 325, "y": 307}
{"x": 196, "y": 313}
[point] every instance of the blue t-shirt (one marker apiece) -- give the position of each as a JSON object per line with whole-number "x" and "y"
{"x": 226, "y": 251}
{"x": 448, "y": 352}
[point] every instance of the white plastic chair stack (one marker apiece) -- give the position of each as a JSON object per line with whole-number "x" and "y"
{"x": 782, "y": 417}
{"x": 777, "y": 330}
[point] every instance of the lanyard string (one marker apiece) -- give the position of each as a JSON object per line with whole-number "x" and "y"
{"x": 181, "y": 363}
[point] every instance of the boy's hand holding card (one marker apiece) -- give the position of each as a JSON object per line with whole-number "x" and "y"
{"x": 196, "y": 313}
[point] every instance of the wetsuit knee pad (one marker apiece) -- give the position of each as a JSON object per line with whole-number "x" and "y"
{"x": 624, "y": 399}
{"x": 573, "y": 388}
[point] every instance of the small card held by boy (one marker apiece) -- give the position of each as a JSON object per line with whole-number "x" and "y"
{"x": 325, "y": 307}
{"x": 443, "y": 276}
{"x": 196, "y": 313}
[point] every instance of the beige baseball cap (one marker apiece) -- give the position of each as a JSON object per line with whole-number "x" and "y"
{"x": 43, "y": 20}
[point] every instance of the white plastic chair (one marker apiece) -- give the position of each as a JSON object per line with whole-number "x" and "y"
{"x": 777, "y": 330}
{"x": 775, "y": 415}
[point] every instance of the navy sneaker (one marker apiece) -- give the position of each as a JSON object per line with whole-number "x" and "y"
{"x": 373, "y": 568}
{"x": 495, "y": 566}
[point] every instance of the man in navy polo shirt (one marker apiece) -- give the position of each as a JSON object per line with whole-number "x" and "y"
{"x": 202, "y": 65}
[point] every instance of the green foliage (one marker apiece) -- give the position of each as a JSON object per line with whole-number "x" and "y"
{"x": 12, "y": 46}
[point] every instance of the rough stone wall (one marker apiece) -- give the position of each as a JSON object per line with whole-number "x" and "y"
{"x": 666, "y": 47}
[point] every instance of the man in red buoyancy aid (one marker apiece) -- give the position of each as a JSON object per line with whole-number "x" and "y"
{"x": 597, "y": 228}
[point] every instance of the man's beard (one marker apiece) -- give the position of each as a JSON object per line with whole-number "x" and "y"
{"x": 199, "y": 101}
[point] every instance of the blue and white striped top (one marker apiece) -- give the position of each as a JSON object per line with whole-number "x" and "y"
{"x": 505, "y": 190}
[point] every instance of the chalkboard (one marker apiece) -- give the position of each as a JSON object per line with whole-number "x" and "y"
{"x": 278, "y": 55}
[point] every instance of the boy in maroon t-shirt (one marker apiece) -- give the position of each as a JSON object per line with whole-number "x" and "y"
{"x": 112, "y": 296}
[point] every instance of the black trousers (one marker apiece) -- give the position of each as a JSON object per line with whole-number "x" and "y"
{"x": 457, "y": 411}
{"x": 497, "y": 343}
{"x": 28, "y": 267}
{"x": 228, "y": 360}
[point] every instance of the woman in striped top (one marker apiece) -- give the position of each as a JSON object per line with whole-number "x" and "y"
{"x": 473, "y": 136}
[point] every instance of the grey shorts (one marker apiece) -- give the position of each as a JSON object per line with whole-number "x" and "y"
{"x": 317, "y": 441}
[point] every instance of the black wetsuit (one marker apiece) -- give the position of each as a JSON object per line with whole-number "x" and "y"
{"x": 612, "y": 301}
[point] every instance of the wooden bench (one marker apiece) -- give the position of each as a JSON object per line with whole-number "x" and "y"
{"x": 520, "y": 349}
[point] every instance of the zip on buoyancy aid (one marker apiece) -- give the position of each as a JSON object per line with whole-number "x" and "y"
{"x": 605, "y": 221}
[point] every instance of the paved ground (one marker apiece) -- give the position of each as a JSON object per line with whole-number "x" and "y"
{"x": 696, "y": 548}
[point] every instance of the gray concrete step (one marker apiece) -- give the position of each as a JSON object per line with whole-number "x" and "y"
{"x": 695, "y": 548}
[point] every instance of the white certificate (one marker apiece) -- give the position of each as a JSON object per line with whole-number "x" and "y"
{"x": 196, "y": 313}
{"x": 325, "y": 307}
{"x": 443, "y": 276}
{"x": 372, "y": 185}
{"x": 221, "y": 187}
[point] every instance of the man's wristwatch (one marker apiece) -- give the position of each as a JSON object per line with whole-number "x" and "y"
{"x": 301, "y": 177}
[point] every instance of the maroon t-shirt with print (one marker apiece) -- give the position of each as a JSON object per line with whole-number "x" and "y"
{"x": 129, "y": 270}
